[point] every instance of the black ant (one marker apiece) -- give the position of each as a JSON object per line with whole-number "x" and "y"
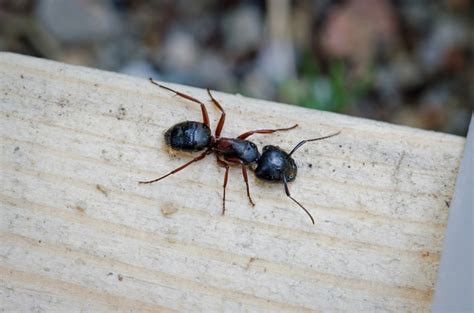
{"x": 194, "y": 136}
{"x": 275, "y": 165}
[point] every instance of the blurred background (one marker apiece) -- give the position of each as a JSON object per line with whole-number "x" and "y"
{"x": 405, "y": 62}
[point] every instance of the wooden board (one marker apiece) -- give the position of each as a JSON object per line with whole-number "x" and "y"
{"x": 78, "y": 232}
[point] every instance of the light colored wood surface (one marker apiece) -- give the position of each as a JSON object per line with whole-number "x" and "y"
{"x": 77, "y": 231}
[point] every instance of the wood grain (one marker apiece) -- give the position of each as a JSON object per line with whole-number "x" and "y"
{"x": 77, "y": 231}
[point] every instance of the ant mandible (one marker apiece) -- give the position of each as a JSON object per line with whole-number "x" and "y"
{"x": 275, "y": 165}
{"x": 192, "y": 136}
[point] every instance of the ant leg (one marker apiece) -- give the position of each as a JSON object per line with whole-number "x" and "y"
{"x": 244, "y": 174}
{"x": 226, "y": 175}
{"x": 287, "y": 191}
{"x": 220, "y": 125}
{"x": 264, "y": 131}
{"x": 199, "y": 157}
{"x": 205, "y": 116}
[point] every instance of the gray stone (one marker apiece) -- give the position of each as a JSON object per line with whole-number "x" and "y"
{"x": 78, "y": 21}
{"x": 448, "y": 33}
{"x": 242, "y": 30}
{"x": 180, "y": 52}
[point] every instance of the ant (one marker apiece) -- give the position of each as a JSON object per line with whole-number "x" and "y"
{"x": 192, "y": 136}
{"x": 275, "y": 165}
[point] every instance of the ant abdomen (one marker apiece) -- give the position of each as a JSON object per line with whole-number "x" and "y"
{"x": 188, "y": 136}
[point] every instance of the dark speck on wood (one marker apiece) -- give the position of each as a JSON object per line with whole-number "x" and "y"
{"x": 102, "y": 190}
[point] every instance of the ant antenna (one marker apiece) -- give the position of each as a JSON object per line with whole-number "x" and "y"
{"x": 308, "y": 140}
{"x": 287, "y": 191}
{"x": 312, "y": 219}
